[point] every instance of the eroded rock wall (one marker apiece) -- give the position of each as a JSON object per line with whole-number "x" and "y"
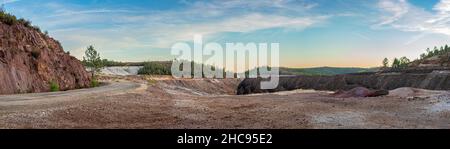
{"x": 436, "y": 80}
{"x": 30, "y": 60}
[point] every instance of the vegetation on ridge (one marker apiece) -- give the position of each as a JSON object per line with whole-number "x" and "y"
{"x": 436, "y": 51}
{"x": 10, "y": 19}
{"x": 404, "y": 62}
{"x": 321, "y": 71}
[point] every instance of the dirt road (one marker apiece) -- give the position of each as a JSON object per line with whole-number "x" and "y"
{"x": 46, "y": 98}
{"x": 169, "y": 103}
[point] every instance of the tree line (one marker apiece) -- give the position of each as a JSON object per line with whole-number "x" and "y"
{"x": 403, "y": 62}
{"x": 436, "y": 51}
{"x": 95, "y": 64}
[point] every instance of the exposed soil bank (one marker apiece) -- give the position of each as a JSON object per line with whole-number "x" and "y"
{"x": 204, "y": 87}
{"x": 30, "y": 60}
{"x": 201, "y": 86}
{"x": 436, "y": 80}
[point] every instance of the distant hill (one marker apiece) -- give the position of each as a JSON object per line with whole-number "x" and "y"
{"x": 165, "y": 66}
{"x": 326, "y": 71}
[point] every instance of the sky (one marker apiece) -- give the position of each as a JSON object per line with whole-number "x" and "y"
{"x": 311, "y": 33}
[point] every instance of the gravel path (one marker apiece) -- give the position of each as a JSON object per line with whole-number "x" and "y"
{"x": 35, "y": 98}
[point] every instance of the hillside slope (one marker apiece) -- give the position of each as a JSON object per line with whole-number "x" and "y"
{"x": 436, "y": 80}
{"x": 441, "y": 60}
{"x": 30, "y": 60}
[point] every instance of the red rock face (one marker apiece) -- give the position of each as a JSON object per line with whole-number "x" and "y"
{"x": 30, "y": 60}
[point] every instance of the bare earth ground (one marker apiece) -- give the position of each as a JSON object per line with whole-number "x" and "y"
{"x": 162, "y": 102}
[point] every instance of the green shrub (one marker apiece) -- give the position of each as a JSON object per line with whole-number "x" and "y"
{"x": 7, "y": 18}
{"x": 54, "y": 87}
{"x": 36, "y": 28}
{"x": 25, "y": 23}
{"x": 94, "y": 82}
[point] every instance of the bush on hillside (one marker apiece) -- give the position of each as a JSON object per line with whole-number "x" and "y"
{"x": 94, "y": 82}
{"x": 25, "y": 23}
{"x": 7, "y": 18}
{"x": 54, "y": 87}
{"x": 10, "y": 19}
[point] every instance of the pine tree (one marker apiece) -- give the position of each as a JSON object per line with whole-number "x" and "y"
{"x": 385, "y": 63}
{"x": 435, "y": 51}
{"x": 92, "y": 60}
{"x": 423, "y": 56}
{"x": 396, "y": 63}
{"x": 404, "y": 61}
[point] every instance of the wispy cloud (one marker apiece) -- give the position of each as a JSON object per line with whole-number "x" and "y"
{"x": 138, "y": 30}
{"x": 8, "y": 1}
{"x": 396, "y": 8}
{"x": 443, "y": 6}
{"x": 125, "y": 29}
{"x": 407, "y": 17}
{"x": 72, "y": 13}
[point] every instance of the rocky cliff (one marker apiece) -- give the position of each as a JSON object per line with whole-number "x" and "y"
{"x": 435, "y": 80}
{"x": 30, "y": 60}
